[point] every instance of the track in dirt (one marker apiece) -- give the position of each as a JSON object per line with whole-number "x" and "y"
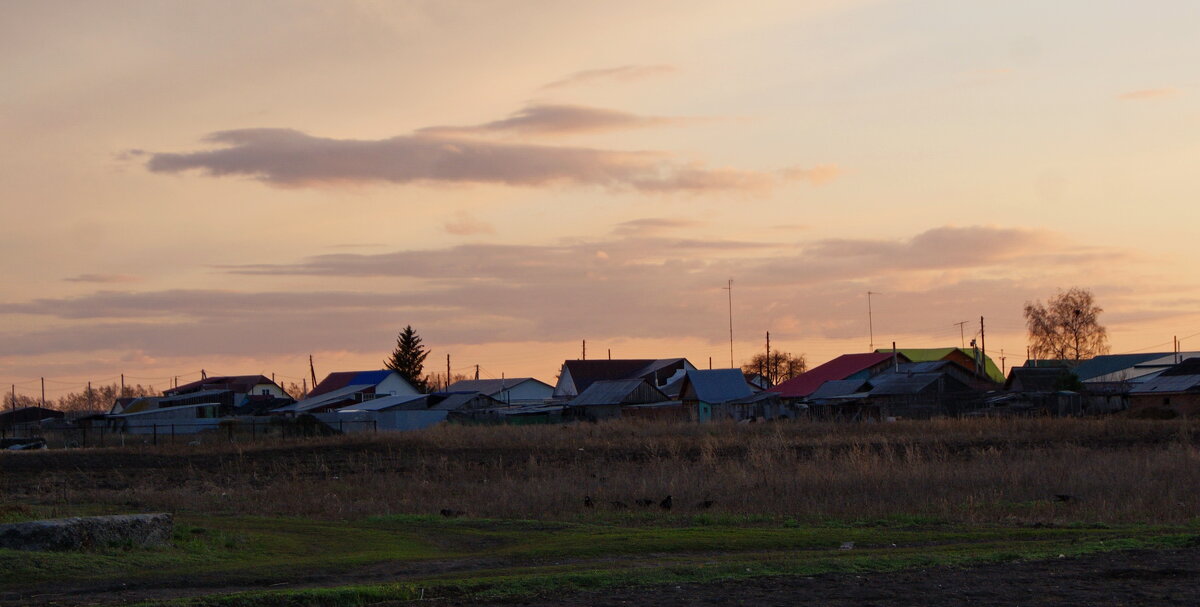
{"x": 1160, "y": 578}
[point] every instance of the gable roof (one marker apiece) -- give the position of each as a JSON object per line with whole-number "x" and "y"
{"x": 619, "y": 392}
{"x": 1183, "y": 377}
{"x": 919, "y": 355}
{"x": 839, "y": 368}
{"x": 585, "y": 372}
{"x": 896, "y": 384}
{"x": 492, "y": 386}
{"x": 236, "y": 383}
{"x": 839, "y": 388}
{"x": 341, "y": 379}
{"x": 715, "y": 385}
{"x": 1107, "y": 364}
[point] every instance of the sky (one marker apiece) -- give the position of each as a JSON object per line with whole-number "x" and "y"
{"x": 235, "y": 186}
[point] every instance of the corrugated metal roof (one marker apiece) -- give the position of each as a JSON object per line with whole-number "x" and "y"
{"x": 919, "y": 355}
{"x": 1108, "y": 364}
{"x": 445, "y": 401}
{"x": 388, "y": 402}
{"x": 717, "y": 385}
{"x": 619, "y": 391}
{"x": 321, "y": 400}
{"x": 341, "y": 379}
{"x": 584, "y": 372}
{"x": 237, "y": 383}
{"x": 492, "y": 386}
{"x": 839, "y": 368}
{"x": 896, "y": 384}
{"x": 1168, "y": 384}
{"x": 841, "y": 387}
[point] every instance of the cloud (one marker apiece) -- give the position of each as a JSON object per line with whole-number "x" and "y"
{"x": 558, "y": 120}
{"x": 651, "y": 225}
{"x": 820, "y": 174}
{"x": 103, "y": 278}
{"x": 465, "y": 225}
{"x": 1144, "y": 94}
{"x": 633, "y": 285}
{"x": 287, "y": 157}
{"x": 624, "y": 73}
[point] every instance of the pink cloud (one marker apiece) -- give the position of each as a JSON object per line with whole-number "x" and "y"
{"x": 624, "y": 73}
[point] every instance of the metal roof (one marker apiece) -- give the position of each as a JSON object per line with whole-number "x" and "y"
{"x": 920, "y": 355}
{"x": 895, "y": 384}
{"x": 387, "y": 402}
{"x": 618, "y": 392}
{"x": 717, "y": 385}
{"x": 840, "y": 387}
{"x": 839, "y": 368}
{"x": 1168, "y": 384}
{"x": 1108, "y": 364}
{"x": 492, "y": 386}
{"x": 341, "y": 379}
{"x": 328, "y": 398}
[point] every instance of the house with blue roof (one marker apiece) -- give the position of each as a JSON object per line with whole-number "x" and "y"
{"x": 342, "y": 389}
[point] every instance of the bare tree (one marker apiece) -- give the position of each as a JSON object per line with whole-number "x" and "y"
{"x": 781, "y": 367}
{"x": 1066, "y": 327}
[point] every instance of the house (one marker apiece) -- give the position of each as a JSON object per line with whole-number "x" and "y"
{"x": 844, "y": 367}
{"x": 923, "y": 390}
{"x": 663, "y": 374}
{"x": 180, "y": 419}
{"x": 514, "y": 415}
{"x": 23, "y": 419}
{"x": 513, "y": 390}
{"x": 702, "y": 391}
{"x": 1175, "y": 390}
{"x": 604, "y": 399}
{"x": 965, "y": 357}
{"x": 346, "y": 388}
{"x": 238, "y": 384}
{"x": 1119, "y": 373}
{"x": 406, "y": 412}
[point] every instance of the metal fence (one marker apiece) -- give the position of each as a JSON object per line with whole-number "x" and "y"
{"x": 224, "y": 430}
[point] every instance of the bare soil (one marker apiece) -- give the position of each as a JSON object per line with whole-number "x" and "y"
{"x": 1111, "y": 579}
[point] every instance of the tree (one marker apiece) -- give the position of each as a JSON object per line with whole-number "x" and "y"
{"x": 1067, "y": 327}
{"x": 408, "y": 359}
{"x": 781, "y": 367}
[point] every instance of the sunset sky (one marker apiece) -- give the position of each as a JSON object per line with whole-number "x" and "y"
{"x": 236, "y": 185}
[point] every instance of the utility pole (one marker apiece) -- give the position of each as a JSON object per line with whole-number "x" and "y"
{"x": 447, "y": 371}
{"x": 13, "y": 401}
{"x": 43, "y": 392}
{"x": 982, "y": 347}
{"x": 871, "y": 320}
{"x": 768, "y": 365}
{"x": 584, "y": 350}
{"x": 729, "y": 288}
{"x": 304, "y": 385}
{"x": 312, "y": 370}
{"x": 962, "y": 336}
{"x": 476, "y": 372}
{"x": 710, "y": 363}
{"x": 1003, "y": 366}
{"x": 123, "y": 385}
{"x": 610, "y": 354}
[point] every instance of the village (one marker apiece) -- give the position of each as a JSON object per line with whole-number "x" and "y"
{"x": 880, "y": 386}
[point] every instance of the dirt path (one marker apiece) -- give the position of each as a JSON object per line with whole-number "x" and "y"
{"x": 1113, "y": 579}
{"x": 1110, "y": 579}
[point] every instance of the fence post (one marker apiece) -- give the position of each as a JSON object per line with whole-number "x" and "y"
{"x": 155, "y": 435}
{"x": 231, "y": 431}
{"x": 172, "y": 434}
{"x": 375, "y": 426}
{"x": 340, "y": 429}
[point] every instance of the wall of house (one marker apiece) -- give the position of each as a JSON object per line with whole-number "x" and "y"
{"x": 395, "y": 385}
{"x": 525, "y": 392}
{"x": 371, "y": 421}
{"x": 272, "y": 390}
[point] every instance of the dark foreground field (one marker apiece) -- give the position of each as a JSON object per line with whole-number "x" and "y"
{"x": 1058, "y": 512}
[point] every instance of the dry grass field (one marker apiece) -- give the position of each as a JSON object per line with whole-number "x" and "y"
{"x": 969, "y": 471}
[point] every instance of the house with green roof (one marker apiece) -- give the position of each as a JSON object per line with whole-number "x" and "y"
{"x": 962, "y": 356}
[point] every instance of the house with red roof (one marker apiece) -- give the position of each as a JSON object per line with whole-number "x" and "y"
{"x": 845, "y": 367}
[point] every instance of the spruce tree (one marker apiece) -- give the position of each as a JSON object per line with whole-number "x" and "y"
{"x": 409, "y": 358}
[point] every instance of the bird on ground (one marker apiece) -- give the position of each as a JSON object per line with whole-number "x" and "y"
{"x": 587, "y": 502}
{"x": 666, "y": 503}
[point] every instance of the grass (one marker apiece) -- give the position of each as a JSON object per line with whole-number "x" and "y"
{"x": 340, "y": 515}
